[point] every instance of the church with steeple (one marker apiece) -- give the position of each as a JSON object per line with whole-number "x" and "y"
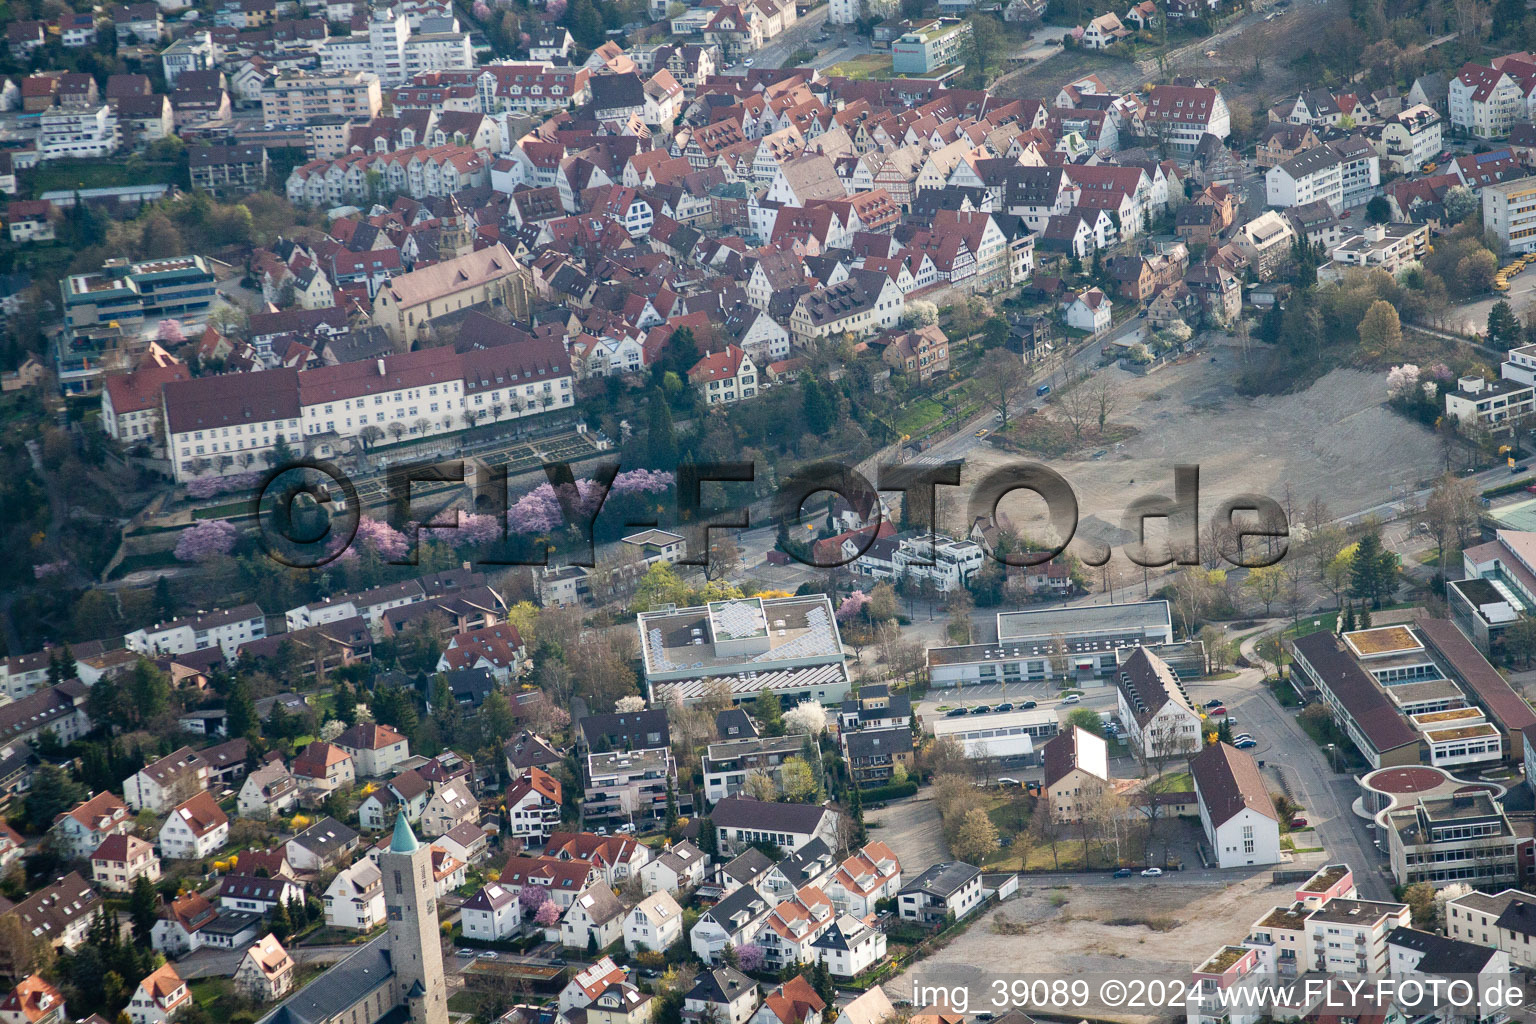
{"x": 398, "y": 977}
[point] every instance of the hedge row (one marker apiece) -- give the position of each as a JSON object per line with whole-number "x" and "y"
{"x": 892, "y": 791}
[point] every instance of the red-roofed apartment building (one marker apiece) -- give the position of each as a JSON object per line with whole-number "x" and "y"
{"x": 533, "y": 807}
{"x": 130, "y": 403}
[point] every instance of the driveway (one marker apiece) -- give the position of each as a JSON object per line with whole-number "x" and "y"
{"x": 1473, "y": 316}
{"x": 912, "y": 829}
{"x": 1326, "y": 795}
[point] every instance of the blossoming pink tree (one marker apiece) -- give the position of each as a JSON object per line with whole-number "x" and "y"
{"x": 169, "y": 333}
{"x": 751, "y": 957}
{"x": 851, "y": 606}
{"x": 386, "y": 541}
{"x": 208, "y": 539}
{"x": 548, "y": 915}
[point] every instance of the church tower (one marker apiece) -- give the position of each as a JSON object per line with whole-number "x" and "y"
{"x": 415, "y": 949}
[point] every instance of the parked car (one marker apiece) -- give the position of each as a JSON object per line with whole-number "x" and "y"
{"x": 1152, "y": 873}
{"x": 1043, "y": 389}
{"x": 1214, "y": 703}
{"x": 956, "y": 712}
{"x": 1005, "y": 706}
{"x": 1244, "y": 744}
{"x": 1029, "y": 705}
{"x": 1006, "y": 781}
{"x": 981, "y": 709}
{"x": 1072, "y": 698}
{"x": 1299, "y": 823}
{"x": 1218, "y": 710}
{"x": 1124, "y": 873}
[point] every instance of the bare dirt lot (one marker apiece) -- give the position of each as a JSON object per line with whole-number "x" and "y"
{"x": 1336, "y": 440}
{"x": 1054, "y": 929}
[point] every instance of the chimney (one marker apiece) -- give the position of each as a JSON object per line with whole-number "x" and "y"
{"x": 380, "y": 365}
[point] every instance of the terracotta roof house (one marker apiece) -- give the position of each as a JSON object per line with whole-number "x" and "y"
{"x": 375, "y": 748}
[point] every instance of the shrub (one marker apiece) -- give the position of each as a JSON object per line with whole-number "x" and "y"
{"x": 893, "y": 791}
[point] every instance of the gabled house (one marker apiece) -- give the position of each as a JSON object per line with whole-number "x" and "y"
{"x": 678, "y": 869}
{"x": 595, "y": 919}
{"x": 375, "y": 749}
{"x": 266, "y": 972}
{"x": 449, "y": 806}
{"x": 533, "y": 807}
{"x": 121, "y": 860}
{"x": 195, "y": 829}
{"x": 868, "y": 876}
{"x": 655, "y": 923}
{"x": 734, "y": 921}
{"x": 723, "y": 994}
{"x": 322, "y": 845}
{"x": 159, "y": 997}
{"x": 355, "y": 897}
{"x": 79, "y": 831}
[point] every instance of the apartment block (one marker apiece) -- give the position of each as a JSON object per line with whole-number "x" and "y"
{"x": 1509, "y": 211}
{"x": 134, "y": 294}
{"x": 295, "y": 97}
{"x": 929, "y": 45}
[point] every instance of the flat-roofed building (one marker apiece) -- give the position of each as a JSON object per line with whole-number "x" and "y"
{"x": 135, "y": 295}
{"x": 728, "y": 765}
{"x": 1009, "y": 736}
{"x": 788, "y": 645}
{"x": 1460, "y": 838}
{"x": 627, "y": 786}
{"x": 1083, "y": 644}
{"x": 1500, "y": 583}
{"x": 1509, "y": 211}
{"x": 1359, "y": 702}
{"x": 296, "y": 96}
{"x": 1388, "y": 247}
{"x": 1495, "y": 404}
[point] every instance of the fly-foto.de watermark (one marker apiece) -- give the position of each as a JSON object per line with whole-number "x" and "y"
{"x": 307, "y": 512}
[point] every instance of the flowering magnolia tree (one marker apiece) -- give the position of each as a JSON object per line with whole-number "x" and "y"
{"x": 532, "y": 897}
{"x": 478, "y": 529}
{"x": 555, "y": 9}
{"x": 751, "y": 957}
{"x": 541, "y": 509}
{"x": 548, "y": 915}
{"x": 47, "y": 569}
{"x": 386, "y": 541}
{"x": 481, "y": 11}
{"x": 807, "y": 717}
{"x": 643, "y": 481}
{"x": 169, "y": 333}
{"x": 1401, "y": 380}
{"x": 206, "y": 540}
{"x": 212, "y": 486}
{"x": 851, "y": 606}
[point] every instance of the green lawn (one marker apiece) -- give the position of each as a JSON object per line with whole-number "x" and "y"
{"x": 870, "y": 65}
{"x": 917, "y": 417}
{"x": 1173, "y": 782}
{"x": 1312, "y": 624}
{"x": 70, "y": 174}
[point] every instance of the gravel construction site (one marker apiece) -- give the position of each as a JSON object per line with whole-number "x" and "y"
{"x": 1336, "y": 440}
{"x": 1135, "y": 928}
